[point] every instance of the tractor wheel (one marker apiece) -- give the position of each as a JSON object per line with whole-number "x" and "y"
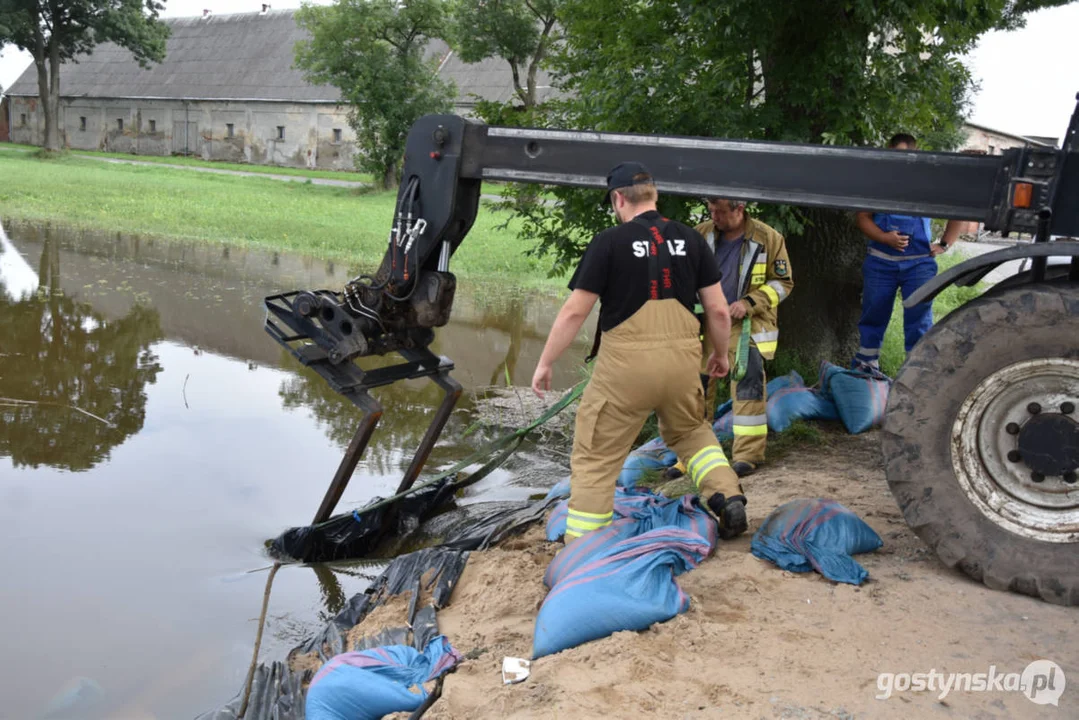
{"x": 981, "y": 440}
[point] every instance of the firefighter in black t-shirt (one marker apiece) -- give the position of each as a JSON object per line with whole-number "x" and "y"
{"x": 647, "y": 273}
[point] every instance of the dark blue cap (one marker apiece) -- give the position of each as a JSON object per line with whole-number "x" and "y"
{"x": 623, "y": 176}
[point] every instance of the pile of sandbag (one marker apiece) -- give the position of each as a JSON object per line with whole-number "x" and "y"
{"x": 621, "y": 577}
{"x": 857, "y": 398}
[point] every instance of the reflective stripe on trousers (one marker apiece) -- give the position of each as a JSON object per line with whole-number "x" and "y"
{"x": 882, "y": 278}
{"x": 647, "y": 363}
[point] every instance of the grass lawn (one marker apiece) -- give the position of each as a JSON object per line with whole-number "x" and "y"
{"x": 328, "y": 222}
{"x": 197, "y": 162}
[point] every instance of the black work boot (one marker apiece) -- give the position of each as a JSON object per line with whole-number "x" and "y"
{"x": 742, "y": 468}
{"x": 731, "y": 514}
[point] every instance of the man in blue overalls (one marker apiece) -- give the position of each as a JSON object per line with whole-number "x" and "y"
{"x": 901, "y": 256}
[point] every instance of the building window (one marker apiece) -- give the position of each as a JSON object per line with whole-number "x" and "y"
{"x": 153, "y": 126}
{"x": 280, "y": 132}
{"x": 120, "y": 124}
{"x": 22, "y": 119}
{"x": 992, "y": 150}
{"x": 82, "y": 123}
{"x": 337, "y": 135}
{"x": 229, "y": 130}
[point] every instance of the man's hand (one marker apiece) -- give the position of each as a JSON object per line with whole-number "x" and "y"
{"x": 718, "y": 365}
{"x": 541, "y": 379}
{"x": 894, "y": 239}
{"x": 936, "y": 249}
{"x": 738, "y": 310}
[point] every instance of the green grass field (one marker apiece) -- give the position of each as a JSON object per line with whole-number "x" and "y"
{"x": 197, "y": 162}
{"x": 328, "y": 222}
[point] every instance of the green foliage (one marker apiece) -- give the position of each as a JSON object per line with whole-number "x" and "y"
{"x": 63, "y": 29}
{"x": 519, "y": 31}
{"x": 373, "y": 52}
{"x": 820, "y": 71}
{"x": 57, "y": 31}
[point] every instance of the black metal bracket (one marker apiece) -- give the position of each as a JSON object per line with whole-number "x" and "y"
{"x": 295, "y": 333}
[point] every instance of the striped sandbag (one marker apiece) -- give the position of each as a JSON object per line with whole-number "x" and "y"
{"x": 370, "y": 684}
{"x": 816, "y": 534}
{"x": 605, "y": 582}
{"x": 638, "y": 511}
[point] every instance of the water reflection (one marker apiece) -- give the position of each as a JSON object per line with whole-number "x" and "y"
{"x": 213, "y": 440}
{"x": 72, "y": 382}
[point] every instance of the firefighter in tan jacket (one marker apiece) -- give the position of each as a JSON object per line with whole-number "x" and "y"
{"x": 756, "y": 278}
{"x": 647, "y": 274}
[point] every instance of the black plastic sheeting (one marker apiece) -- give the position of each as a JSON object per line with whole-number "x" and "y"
{"x": 277, "y": 692}
{"x": 357, "y": 534}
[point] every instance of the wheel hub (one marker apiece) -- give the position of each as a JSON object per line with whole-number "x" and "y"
{"x": 1049, "y": 444}
{"x": 1015, "y": 448}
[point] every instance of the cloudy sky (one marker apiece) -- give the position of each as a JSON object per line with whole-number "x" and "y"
{"x": 1029, "y": 78}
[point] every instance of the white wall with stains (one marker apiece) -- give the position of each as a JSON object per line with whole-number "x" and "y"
{"x": 264, "y": 133}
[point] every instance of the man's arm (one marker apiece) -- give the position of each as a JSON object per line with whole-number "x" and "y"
{"x": 951, "y": 234}
{"x": 717, "y": 316}
{"x": 566, "y": 326}
{"x": 864, "y": 221}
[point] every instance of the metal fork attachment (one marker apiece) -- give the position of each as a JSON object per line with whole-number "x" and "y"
{"x": 317, "y": 331}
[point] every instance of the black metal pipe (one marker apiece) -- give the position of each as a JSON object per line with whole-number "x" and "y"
{"x": 453, "y": 391}
{"x": 372, "y": 413}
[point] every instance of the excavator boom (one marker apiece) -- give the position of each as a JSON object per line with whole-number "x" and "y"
{"x": 1030, "y": 190}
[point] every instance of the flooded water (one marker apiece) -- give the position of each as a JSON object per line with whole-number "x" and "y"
{"x": 153, "y": 436}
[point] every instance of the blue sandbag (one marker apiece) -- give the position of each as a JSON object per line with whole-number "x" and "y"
{"x": 860, "y": 396}
{"x": 642, "y": 461}
{"x": 798, "y": 403}
{"x": 373, "y": 683}
{"x": 723, "y": 427}
{"x": 619, "y": 584}
{"x": 636, "y": 512}
{"x": 561, "y": 489}
{"x": 820, "y": 535}
{"x": 791, "y": 379}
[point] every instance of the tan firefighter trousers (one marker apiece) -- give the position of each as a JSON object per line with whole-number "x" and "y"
{"x": 750, "y": 400}
{"x": 648, "y": 362}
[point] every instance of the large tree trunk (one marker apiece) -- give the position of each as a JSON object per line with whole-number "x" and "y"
{"x": 391, "y": 177}
{"x": 820, "y": 320}
{"x": 41, "y": 54}
{"x": 48, "y": 80}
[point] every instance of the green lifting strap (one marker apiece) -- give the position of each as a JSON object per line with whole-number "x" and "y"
{"x": 741, "y": 358}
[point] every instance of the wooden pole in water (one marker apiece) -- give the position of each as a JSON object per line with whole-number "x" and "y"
{"x": 258, "y": 640}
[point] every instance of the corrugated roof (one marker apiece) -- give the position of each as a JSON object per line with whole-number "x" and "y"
{"x": 489, "y": 79}
{"x": 234, "y": 57}
{"x": 246, "y": 56}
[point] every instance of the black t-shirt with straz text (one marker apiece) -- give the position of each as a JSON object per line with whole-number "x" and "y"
{"x": 615, "y": 266}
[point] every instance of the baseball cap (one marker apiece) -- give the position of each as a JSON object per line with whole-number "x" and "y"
{"x": 622, "y": 176}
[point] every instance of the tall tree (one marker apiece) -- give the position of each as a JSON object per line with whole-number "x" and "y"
{"x": 817, "y": 71}
{"x": 373, "y": 52}
{"x": 521, "y": 32}
{"x": 57, "y": 31}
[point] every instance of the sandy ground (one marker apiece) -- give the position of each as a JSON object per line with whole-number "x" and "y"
{"x": 760, "y": 642}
